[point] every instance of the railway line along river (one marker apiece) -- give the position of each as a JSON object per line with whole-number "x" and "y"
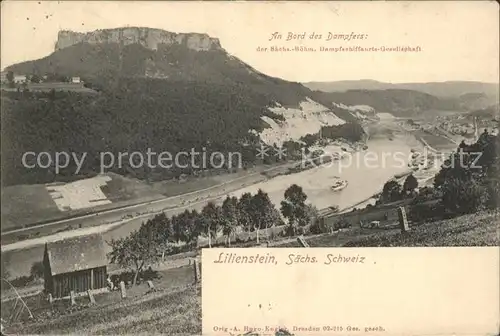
{"x": 365, "y": 171}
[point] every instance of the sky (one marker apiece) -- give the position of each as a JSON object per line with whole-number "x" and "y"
{"x": 458, "y": 40}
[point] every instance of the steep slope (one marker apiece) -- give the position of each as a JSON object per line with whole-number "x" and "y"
{"x": 105, "y": 57}
{"x": 147, "y": 37}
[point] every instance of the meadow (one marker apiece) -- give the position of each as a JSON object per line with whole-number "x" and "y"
{"x": 478, "y": 229}
{"x": 175, "y": 307}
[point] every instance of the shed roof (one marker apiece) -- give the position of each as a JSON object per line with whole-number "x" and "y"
{"x": 76, "y": 254}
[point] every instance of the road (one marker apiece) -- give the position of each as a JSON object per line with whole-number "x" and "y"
{"x": 108, "y": 219}
{"x": 127, "y": 208}
{"x": 447, "y": 135}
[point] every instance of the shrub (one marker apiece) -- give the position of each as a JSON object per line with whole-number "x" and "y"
{"x": 426, "y": 212}
{"x": 318, "y": 227}
{"x": 463, "y": 197}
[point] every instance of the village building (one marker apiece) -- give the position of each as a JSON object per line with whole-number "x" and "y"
{"x": 19, "y": 79}
{"x": 76, "y": 264}
{"x": 75, "y": 80}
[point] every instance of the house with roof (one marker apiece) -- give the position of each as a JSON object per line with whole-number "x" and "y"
{"x": 76, "y": 264}
{"x": 19, "y": 79}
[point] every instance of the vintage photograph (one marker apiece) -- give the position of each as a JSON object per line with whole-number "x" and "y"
{"x": 136, "y": 134}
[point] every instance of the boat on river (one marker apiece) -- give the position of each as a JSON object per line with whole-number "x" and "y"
{"x": 339, "y": 185}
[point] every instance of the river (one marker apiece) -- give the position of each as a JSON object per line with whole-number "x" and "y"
{"x": 365, "y": 171}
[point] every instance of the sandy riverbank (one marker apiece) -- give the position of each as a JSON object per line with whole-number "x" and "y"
{"x": 110, "y": 220}
{"x": 366, "y": 172}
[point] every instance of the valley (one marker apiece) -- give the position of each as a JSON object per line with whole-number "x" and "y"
{"x": 331, "y": 163}
{"x": 364, "y": 181}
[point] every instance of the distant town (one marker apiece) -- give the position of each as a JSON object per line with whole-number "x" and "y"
{"x": 467, "y": 125}
{"x": 454, "y": 126}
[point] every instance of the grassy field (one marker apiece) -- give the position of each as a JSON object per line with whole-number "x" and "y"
{"x": 25, "y": 205}
{"x": 481, "y": 229}
{"x": 121, "y": 191}
{"x": 173, "y": 309}
{"x": 58, "y": 86}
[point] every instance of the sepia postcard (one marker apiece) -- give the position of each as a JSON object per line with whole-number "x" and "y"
{"x": 250, "y": 168}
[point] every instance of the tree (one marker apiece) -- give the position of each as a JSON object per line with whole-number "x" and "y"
{"x": 316, "y": 224}
{"x": 10, "y": 77}
{"x": 136, "y": 250}
{"x": 462, "y": 197}
{"x": 264, "y": 214}
{"x": 188, "y": 226}
{"x": 410, "y": 184}
{"x": 52, "y": 95}
{"x": 35, "y": 78}
{"x": 244, "y": 212}
{"x": 193, "y": 228}
{"x": 293, "y": 207}
{"x": 425, "y": 194}
{"x": 160, "y": 229}
{"x": 5, "y": 274}
{"x": 37, "y": 270}
{"x": 185, "y": 222}
{"x": 212, "y": 218}
{"x": 469, "y": 180}
{"x": 391, "y": 192}
{"x": 230, "y": 217}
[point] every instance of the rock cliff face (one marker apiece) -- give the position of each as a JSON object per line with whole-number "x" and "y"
{"x": 147, "y": 37}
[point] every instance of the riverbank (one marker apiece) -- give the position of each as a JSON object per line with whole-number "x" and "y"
{"x": 19, "y": 256}
{"x": 364, "y": 176}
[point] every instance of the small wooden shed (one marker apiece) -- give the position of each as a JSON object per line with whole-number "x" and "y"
{"x": 75, "y": 264}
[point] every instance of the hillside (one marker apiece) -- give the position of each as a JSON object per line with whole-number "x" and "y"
{"x": 452, "y": 95}
{"x": 440, "y": 89}
{"x": 396, "y": 101}
{"x": 156, "y": 90}
{"x": 175, "y": 307}
{"x": 490, "y": 113}
{"x": 107, "y": 57}
{"x": 479, "y": 229}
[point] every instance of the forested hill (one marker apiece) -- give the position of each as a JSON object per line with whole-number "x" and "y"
{"x": 103, "y": 65}
{"x": 401, "y": 97}
{"x": 137, "y": 115}
{"x": 165, "y": 92}
{"x": 396, "y": 101}
{"x": 448, "y": 89}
